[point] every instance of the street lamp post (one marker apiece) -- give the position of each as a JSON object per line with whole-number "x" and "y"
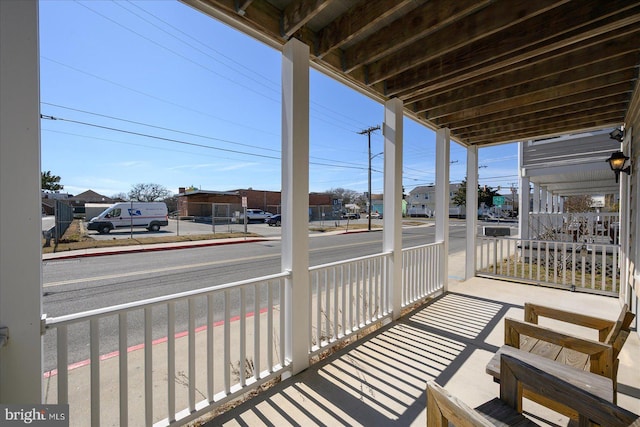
{"x": 368, "y": 132}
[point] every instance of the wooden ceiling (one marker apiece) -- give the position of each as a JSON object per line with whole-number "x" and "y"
{"x": 492, "y": 71}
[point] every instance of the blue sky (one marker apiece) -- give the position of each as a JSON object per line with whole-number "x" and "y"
{"x": 154, "y": 91}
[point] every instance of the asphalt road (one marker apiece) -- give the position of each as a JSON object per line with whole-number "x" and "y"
{"x": 82, "y": 284}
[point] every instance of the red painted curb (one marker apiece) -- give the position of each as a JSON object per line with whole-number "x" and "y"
{"x": 167, "y": 248}
{"x": 136, "y": 347}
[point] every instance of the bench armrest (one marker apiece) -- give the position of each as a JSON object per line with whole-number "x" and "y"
{"x": 533, "y": 311}
{"x": 600, "y": 354}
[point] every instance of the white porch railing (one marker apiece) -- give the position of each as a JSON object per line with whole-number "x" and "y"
{"x": 421, "y": 275}
{"x": 577, "y": 226}
{"x": 239, "y": 346}
{"x": 249, "y": 310}
{"x": 346, "y": 297}
{"x": 587, "y": 267}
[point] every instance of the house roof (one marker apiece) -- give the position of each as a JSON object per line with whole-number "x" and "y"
{"x": 92, "y": 197}
{"x": 492, "y": 71}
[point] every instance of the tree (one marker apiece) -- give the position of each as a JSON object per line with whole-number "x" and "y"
{"x": 485, "y": 194}
{"x": 50, "y": 182}
{"x": 347, "y": 196}
{"x": 578, "y": 203}
{"x": 148, "y": 192}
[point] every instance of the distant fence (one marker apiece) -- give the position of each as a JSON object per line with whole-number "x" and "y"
{"x": 228, "y": 213}
{"x": 64, "y": 218}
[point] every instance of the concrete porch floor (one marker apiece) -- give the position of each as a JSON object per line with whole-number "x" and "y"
{"x": 380, "y": 380}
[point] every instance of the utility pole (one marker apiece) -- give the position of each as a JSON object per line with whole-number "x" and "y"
{"x": 368, "y": 133}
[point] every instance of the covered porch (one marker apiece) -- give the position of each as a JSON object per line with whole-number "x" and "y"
{"x": 380, "y": 380}
{"x": 472, "y": 89}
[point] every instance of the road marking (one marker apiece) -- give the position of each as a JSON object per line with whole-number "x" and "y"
{"x": 191, "y": 266}
{"x": 157, "y": 270}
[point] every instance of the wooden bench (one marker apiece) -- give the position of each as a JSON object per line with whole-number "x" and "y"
{"x": 519, "y": 371}
{"x": 596, "y": 356}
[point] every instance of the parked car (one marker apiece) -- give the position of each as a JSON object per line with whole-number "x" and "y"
{"x": 151, "y": 215}
{"x": 257, "y": 215}
{"x": 374, "y": 215}
{"x": 275, "y": 220}
{"x": 350, "y": 215}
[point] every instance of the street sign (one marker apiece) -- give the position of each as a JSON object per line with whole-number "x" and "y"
{"x": 498, "y": 201}
{"x": 244, "y": 201}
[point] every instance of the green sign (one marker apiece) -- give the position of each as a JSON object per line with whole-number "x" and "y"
{"x": 498, "y": 201}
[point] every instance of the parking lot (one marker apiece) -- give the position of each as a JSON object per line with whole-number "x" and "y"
{"x": 184, "y": 228}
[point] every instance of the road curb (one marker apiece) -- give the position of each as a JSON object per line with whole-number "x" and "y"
{"x": 118, "y": 250}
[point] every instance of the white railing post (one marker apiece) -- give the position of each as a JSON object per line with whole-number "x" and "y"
{"x": 443, "y": 144}
{"x": 295, "y": 200}
{"x": 20, "y": 234}
{"x": 392, "y": 232}
{"x": 472, "y": 211}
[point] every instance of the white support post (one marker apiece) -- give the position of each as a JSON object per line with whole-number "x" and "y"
{"x": 443, "y": 144}
{"x": 392, "y": 230}
{"x": 472, "y": 211}
{"x": 20, "y": 234}
{"x": 295, "y": 201}
{"x": 549, "y": 202}
{"x": 523, "y": 208}
{"x": 536, "y": 198}
{"x": 543, "y": 200}
{"x": 560, "y": 204}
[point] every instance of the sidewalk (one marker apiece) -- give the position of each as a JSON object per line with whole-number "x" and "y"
{"x": 114, "y": 250}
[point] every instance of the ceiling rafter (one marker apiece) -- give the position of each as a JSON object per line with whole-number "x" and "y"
{"x": 491, "y": 70}
{"x": 360, "y": 18}
{"x": 425, "y": 19}
{"x": 585, "y": 57}
{"x": 299, "y": 12}
{"x": 558, "y": 80}
{"x": 542, "y": 95}
{"x": 500, "y": 52}
{"x": 477, "y": 26}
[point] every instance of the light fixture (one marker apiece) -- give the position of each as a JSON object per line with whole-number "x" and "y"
{"x": 617, "y": 134}
{"x": 617, "y": 161}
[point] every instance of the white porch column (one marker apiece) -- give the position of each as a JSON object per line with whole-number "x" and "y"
{"x": 523, "y": 207}
{"x": 543, "y": 200}
{"x": 536, "y": 198}
{"x": 560, "y": 204}
{"x": 295, "y": 200}
{"x": 549, "y": 201}
{"x": 443, "y": 144}
{"x": 472, "y": 211}
{"x": 20, "y": 234}
{"x": 392, "y": 231}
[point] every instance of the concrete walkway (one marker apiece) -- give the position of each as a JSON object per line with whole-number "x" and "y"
{"x": 380, "y": 380}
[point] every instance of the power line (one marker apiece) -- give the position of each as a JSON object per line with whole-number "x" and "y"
{"x": 187, "y": 133}
{"x": 192, "y": 144}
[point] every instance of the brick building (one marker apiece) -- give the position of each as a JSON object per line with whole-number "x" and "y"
{"x": 199, "y": 203}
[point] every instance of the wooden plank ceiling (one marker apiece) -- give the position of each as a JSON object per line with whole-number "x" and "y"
{"x": 492, "y": 71}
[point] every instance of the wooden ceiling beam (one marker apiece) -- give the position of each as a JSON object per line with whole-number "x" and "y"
{"x": 554, "y": 129}
{"x": 523, "y": 90}
{"x": 506, "y": 49}
{"x": 299, "y": 12}
{"x": 483, "y": 23}
{"x": 575, "y": 103}
{"x": 511, "y": 124}
{"x": 362, "y": 17}
{"x": 627, "y": 45}
{"x": 425, "y": 19}
{"x": 543, "y": 95}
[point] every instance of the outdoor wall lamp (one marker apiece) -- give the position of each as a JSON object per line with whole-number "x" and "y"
{"x": 616, "y": 162}
{"x": 617, "y": 134}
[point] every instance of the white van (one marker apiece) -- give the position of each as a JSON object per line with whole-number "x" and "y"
{"x": 151, "y": 215}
